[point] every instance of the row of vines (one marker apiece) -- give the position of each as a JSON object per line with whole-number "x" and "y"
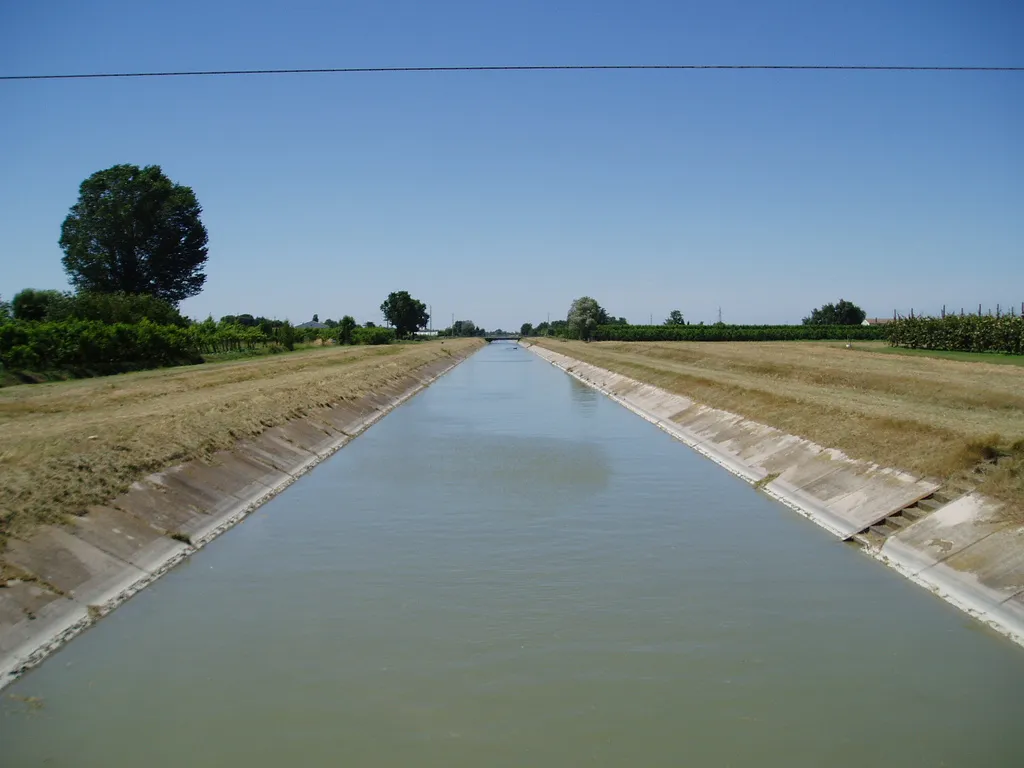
{"x": 99, "y": 348}
{"x": 960, "y": 333}
{"x": 738, "y": 332}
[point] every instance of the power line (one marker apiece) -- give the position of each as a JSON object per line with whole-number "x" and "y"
{"x": 518, "y": 68}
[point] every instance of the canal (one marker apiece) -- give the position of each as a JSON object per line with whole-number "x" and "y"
{"x": 511, "y": 570}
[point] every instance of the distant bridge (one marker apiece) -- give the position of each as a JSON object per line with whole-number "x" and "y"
{"x": 501, "y": 337}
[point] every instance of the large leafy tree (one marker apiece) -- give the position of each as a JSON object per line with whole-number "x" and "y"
{"x": 526, "y": 329}
{"x": 843, "y": 313}
{"x": 405, "y": 313}
{"x": 675, "y": 317}
{"x": 133, "y": 230}
{"x": 585, "y": 314}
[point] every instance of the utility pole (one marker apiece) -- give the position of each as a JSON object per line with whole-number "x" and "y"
{"x": 719, "y": 314}
{"x": 430, "y": 318}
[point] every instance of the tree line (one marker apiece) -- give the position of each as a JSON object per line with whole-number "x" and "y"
{"x": 588, "y": 320}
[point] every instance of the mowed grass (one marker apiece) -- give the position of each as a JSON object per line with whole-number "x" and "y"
{"x": 883, "y": 348}
{"x": 67, "y": 445}
{"x": 959, "y": 422}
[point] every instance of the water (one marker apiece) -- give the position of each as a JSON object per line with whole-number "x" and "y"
{"x": 511, "y": 570}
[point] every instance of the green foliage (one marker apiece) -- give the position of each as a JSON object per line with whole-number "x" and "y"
{"x": 135, "y": 231}
{"x": 675, "y": 317}
{"x": 585, "y": 315}
{"x": 6, "y": 312}
{"x": 526, "y": 329}
{"x": 32, "y": 304}
{"x": 465, "y": 328}
{"x": 724, "y": 332}
{"x": 373, "y": 335}
{"x": 284, "y": 334}
{"x": 843, "y": 313}
{"x": 117, "y": 308}
{"x": 405, "y": 313}
{"x": 961, "y": 333}
{"x": 346, "y": 328}
{"x": 95, "y": 346}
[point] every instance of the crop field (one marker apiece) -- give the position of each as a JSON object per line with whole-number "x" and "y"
{"x": 960, "y": 422}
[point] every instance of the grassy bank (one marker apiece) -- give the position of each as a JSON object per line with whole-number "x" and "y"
{"x": 68, "y": 445}
{"x": 960, "y": 422}
{"x": 992, "y": 358}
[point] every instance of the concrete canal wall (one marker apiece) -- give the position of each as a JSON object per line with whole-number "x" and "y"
{"x": 964, "y": 550}
{"x": 77, "y": 573}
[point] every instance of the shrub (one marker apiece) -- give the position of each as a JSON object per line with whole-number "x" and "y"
{"x": 373, "y": 335}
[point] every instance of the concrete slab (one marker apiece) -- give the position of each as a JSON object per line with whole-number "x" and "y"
{"x": 114, "y": 531}
{"x": 20, "y": 600}
{"x": 61, "y": 559}
{"x": 881, "y": 497}
{"x": 154, "y": 503}
{"x": 271, "y": 449}
{"x": 800, "y": 464}
{"x": 945, "y": 532}
{"x": 997, "y": 561}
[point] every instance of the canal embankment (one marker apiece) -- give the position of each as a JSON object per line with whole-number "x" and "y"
{"x": 110, "y": 483}
{"x": 964, "y": 546}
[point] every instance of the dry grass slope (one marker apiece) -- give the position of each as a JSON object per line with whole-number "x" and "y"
{"x": 65, "y": 446}
{"x": 960, "y": 422}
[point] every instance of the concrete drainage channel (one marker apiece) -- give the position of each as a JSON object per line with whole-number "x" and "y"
{"x": 962, "y": 548}
{"x": 75, "y": 574}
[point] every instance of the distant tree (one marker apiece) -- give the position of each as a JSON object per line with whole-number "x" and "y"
{"x": 331, "y": 323}
{"x": 316, "y": 318}
{"x": 246, "y": 320}
{"x": 465, "y": 328}
{"x": 32, "y": 304}
{"x": 542, "y": 328}
{"x": 526, "y": 329}
{"x": 5, "y": 310}
{"x": 617, "y": 321}
{"x": 369, "y": 324}
{"x": 345, "y": 328}
{"x": 558, "y": 328}
{"x": 134, "y": 230}
{"x": 584, "y": 316}
{"x": 675, "y": 317}
{"x": 405, "y": 313}
{"x": 843, "y": 313}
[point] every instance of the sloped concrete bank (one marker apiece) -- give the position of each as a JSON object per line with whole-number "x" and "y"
{"x": 75, "y": 574}
{"x": 964, "y": 551}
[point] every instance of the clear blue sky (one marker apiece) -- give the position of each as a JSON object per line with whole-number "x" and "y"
{"x": 501, "y": 197}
